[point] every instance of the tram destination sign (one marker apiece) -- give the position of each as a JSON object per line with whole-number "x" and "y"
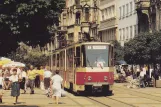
{"x": 97, "y": 47}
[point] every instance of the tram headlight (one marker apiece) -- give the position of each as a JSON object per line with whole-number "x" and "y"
{"x": 105, "y": 78}
{"x": 89, "y": 78}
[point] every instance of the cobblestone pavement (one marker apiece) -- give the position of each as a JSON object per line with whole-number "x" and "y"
{"x": 123, "y": 97}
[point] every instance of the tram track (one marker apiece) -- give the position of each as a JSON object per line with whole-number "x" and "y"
{"x": 98, "y": 101}
{"x": 116, "y": 101}
{"x": 103, "y": 101}
{"x": 139, "y": 94}
{"x": 130, "y": 92}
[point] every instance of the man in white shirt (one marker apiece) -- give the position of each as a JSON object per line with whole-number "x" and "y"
{"x": 47, "y": 76}
{"x": 142, "y": 74}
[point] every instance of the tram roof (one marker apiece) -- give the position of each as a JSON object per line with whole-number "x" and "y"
{"x": 96, "y": 43}
{"x": 83, "y": 43}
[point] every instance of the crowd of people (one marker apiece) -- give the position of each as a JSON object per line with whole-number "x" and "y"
{"x": 19, "y": 78}
{"x": 144, "y": 75}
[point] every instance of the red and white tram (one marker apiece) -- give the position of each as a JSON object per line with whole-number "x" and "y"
{"x": 86, "y": 66}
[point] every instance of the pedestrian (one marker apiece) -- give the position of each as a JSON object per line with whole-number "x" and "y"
{"x": 1, "y": 85}
{"x": 15, "y": 86}
{"x": 55, "y": 84}
{"x": 31, "y": 74}
{"x": 47, "y": 76}
{"x": 142, "y": 75}
{"x": 23, "y": 81}
{"x": 41, "y": 72}
{"x": 37, "y": 79}
{"x": 6, "y": 84}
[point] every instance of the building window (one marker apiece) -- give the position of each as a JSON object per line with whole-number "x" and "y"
{"x": 131, "y": 33}
{"x": 87, "y": 14}
{"x": 127, "y": 33}
{"x": 120, "y": 34}
{"x": 131, "y": 7}
{"x": 127, "y": 9}
{"x": 123, "y": 33}
{"x": 102, "y": 15}
{"x": 123, "y": 11}
{"x": 120, "y": 12}
{"x": 110, "y": 11}
{"x": 106, "y": 14}
{"x": 135, "y": 30}
{"x": 113, "y": 11}
{"x": 77, "y": 2}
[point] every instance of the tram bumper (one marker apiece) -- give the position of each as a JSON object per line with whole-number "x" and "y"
{"x": 96, "y": 87}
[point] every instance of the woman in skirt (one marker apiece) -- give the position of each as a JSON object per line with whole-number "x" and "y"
{"x": 55, "y": 84}
{"x": 15, "y": 87}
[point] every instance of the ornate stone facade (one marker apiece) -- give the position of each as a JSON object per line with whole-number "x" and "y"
{"x": 155, "y": 15}
{"x": 142, "y": 8}
{"x": 78, "y": 21}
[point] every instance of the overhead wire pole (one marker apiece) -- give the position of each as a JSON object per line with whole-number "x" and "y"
{"x": 51, "y": 49}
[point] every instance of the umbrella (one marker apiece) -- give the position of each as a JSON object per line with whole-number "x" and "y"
{"x": 121, "y": 62}
{"x": 4, "y": 61}
{"x": 14, "y": 64}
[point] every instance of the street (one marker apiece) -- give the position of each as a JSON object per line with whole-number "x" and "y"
{"x": 123, "y": 97}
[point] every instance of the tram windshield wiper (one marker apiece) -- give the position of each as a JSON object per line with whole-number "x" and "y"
{"x": 89, "y": 63}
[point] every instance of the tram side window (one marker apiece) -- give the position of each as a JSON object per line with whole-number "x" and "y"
{"x": 57, "y": 60}
{"x": 54, "y": 60}
{"x": 78, "y": 57}
{"x": 111, "y": 55}
{"x": 70, "y": 57}
{"x": 61, "y": 59}
{"x": 83, "y": 55}
{"x": 62, "y": 63}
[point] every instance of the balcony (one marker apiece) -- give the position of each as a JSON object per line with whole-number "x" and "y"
{"x": 62, "y": 29}
{"x": 142, "y": 4}
{"x": 104, "y": 2}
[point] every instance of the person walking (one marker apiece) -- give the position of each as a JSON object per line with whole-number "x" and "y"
{"x": 15, "y": 86}
{"x": 142, "y": 74}
{"x": 1, "y": 87}
{"x": 37, "y": 79}
{"x": 31, "y": 74}
{"x": 47, "y": 76}
{"x": 41, "y": 73}
{"x": 23, "y": 81}
{"x": 55, "y": 84}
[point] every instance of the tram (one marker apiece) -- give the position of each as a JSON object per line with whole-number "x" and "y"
{"x": 86, "y": 67}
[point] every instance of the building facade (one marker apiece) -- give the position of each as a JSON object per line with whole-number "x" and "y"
{"x": 155, "y": 15}
{"x": 108, "y": 20}
{"x": 144, "y": 22}
{"x": 78, "y": 21}
{"x": 127, "y": 20}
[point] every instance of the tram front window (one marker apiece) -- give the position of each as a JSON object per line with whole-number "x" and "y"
{"x": 97, "y": 56}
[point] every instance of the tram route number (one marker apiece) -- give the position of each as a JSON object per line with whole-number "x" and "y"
{"x": 96, "y": 47}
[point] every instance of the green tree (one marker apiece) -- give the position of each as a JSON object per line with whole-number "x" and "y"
{"x": 144, "y": 49}
{"x": 29, "y": 56}
{"x": 118, "y": 51}
{"x": 29, "y": 21}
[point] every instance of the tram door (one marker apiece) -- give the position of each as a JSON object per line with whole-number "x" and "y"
{"x": 77, "y": 61}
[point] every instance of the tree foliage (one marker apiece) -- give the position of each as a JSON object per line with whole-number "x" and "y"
{"x": 118, "y": 51}
{"x": 29, "y": 56}
{"x": 29, "y": 21}
{"x": 144, "y": 49}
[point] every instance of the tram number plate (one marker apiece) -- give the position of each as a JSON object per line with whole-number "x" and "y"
{"x": 97, "y": 85}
